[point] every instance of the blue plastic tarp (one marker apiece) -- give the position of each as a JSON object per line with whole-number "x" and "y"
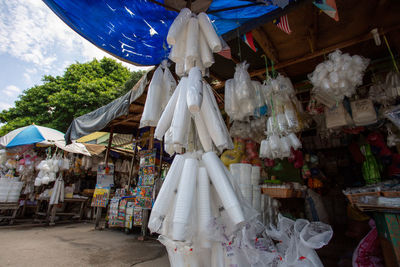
{"x": 136, "y": 30}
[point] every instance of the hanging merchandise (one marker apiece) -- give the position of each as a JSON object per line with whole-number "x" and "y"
{"x": 193, "y": 39}
{"x": 337, "y": 117}
{"x": 57, "y": 195}
{"x": 284, "y": 120}
{"x": 363, "y": 112}
{"x": 241, "y": 98}
{"x": 370, "y": 168}
{"x": 339, "y": 75}
{"x": 392, "y": 85}
{"x": 177, "y": 117}
{"x": 160, "y": 89}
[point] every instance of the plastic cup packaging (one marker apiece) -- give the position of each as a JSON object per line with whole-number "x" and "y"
{"x": 203, "y": 205}
{"x": 184, "y": 199}
{"x": 245, "y": 174}
{"x": 179, "y": 23}
{"x": 205, "y": 52}
{"x": 166, "y": 118}
{"x": 209, "y": 33}
{"x": 152, "y": 111}
{"x": 204, "y": 136}
{"x": 181, "y": 116}
{"x": 192, "y": 40}
{"x": 166, "y": 194}
{"x": 194, "y": 95}
{"x": 223, "y": 187}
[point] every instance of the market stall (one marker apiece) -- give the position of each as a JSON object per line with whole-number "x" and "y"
{"x": 266, "y": 130}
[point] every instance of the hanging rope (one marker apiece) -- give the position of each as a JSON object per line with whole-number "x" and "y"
{"x": 266, "y": 66}
{"x": 273, "y": 69}
{"x": 391, "y": 54}
{"x": 240, "y": 50}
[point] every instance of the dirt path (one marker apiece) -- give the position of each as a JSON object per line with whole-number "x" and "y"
{"x": 77, "y": 245}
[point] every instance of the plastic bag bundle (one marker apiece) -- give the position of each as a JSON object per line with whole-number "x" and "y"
{"x": 193, "y": 39}
{"x": 241, "y": 98}
{"x": 298, "y": 239}
{"x": 276, "y": 146}
{"x": 340, "y": 75}
{"x": 47, "y": 171}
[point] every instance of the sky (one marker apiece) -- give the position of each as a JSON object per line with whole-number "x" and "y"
{"x": 35, "y": 42}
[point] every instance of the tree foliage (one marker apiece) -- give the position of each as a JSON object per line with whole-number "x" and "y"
{"x": 84, "y": 87}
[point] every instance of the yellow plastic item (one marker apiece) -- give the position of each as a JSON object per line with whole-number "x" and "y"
{"x": 235, "y": 155}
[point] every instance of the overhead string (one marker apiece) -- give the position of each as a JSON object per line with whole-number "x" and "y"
{"x": 391, "y": 54}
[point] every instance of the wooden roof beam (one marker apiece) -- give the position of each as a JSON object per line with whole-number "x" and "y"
{"x": 359, "y": 39}
{"x": 265, "y": 43}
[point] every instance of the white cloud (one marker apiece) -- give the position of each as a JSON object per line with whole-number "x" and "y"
{"x": 31, "y": 32}
{"x": 11, "y": 90}
{"x": 4, "y": 105}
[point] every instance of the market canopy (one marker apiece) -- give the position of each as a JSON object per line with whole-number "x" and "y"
{"x": 135, "y": 31}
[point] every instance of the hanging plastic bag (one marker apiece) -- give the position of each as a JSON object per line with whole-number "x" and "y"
{"x": 192, "y": 41}
{"x": 231, "y": 103}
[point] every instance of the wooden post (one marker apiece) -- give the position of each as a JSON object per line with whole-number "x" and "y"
{"x": 145, "y": 218}
{"x": 99, "y": 209}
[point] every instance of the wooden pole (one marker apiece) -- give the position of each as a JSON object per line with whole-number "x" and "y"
{"x": 100, "y": 209}
{"x": 145, "y": 219}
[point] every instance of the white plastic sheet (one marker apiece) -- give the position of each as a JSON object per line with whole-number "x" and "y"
{"x": 209, "y": 33}
{"x": 178, "y": 51}
{"x": 152, "y": 108}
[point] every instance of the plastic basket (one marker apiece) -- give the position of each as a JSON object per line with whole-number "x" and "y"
{"x": 391, "y": 193}
{"x": 277, "y": 192}
{"x": 355, "y": 198}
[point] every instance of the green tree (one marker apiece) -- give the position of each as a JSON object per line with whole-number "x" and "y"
{"x": 84, "y": 87}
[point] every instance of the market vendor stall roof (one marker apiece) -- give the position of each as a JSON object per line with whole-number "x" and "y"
{"x": 313, "y": 35}
{"x": 122, "y": 114}
{"x": 135, "y": 31}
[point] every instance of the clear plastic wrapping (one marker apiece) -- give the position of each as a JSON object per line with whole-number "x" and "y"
{"x": 231, "y": 103}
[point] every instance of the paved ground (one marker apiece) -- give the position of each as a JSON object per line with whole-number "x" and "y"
{"x": 77, "y": 245}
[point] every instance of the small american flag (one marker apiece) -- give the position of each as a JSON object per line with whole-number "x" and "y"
{"x": 283, "y": 24}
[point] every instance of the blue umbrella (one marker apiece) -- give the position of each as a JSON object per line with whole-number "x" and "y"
{"x": 31, "y": 135}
